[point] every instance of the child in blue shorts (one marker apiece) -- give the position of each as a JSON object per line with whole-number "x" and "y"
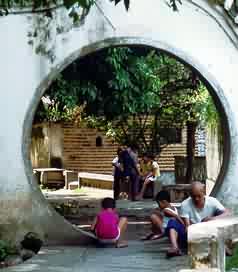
{"x": 166, "y": 220}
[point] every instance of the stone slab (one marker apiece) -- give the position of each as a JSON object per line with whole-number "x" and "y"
{"x": 137, "y": 257}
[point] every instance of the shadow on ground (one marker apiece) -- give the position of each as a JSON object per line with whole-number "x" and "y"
{"x": 139, "y": 256}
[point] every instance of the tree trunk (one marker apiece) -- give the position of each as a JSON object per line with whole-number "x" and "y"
{"x": 191, "y": 129}
{"x": 154, "y": 136}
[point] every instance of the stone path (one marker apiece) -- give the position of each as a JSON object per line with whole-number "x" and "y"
{"x": 87, "y": 202}
{"x": 84, "y": 192}
{"x": 137, "y": 257}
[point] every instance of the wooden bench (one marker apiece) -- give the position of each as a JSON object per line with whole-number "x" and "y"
{"x": 101, "y": 181}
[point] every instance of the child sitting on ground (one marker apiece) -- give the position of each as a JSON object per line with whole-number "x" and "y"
{"x": 160, "y": 217}
{"x": 107, "y": 226}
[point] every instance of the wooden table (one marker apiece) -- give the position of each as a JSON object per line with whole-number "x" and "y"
{"x": 55, "y": 177}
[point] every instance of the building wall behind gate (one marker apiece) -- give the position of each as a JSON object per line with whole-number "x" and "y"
{"x": 67, "y": 145}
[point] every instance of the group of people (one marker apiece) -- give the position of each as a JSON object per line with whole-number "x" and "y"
{"x": 139, "y": 174}
{"x": 165, "y": 221}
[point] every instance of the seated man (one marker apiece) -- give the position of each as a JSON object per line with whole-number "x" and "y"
{"x": 195, "y": 209}
{"x": 150, "y": 173}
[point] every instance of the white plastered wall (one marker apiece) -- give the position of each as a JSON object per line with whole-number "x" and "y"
{"x": 197, "y": 34}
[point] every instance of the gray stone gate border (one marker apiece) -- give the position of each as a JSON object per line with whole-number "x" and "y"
{"x": 211, "y": 83}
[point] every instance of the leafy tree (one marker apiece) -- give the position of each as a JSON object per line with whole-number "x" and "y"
{"x": 132, "y": 94}
{"x": 46, "y": 25}
{"x": 47, "y": 7}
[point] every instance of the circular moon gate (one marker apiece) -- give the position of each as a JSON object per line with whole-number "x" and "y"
{"x": 210, "y": 48}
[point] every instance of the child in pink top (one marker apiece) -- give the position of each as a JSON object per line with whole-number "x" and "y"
{"x": 107, "y": 225}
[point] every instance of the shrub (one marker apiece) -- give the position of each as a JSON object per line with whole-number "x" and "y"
{"x": 5, "y": 250}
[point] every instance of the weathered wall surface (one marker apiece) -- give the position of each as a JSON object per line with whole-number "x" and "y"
{"x": 197, "y": 34}
{"x": 40, "y": 153}
{"x": 76, "y": 147}
{"x": 81, "y": 152}
{"x": 46, "y": 144}
{"x": 214, "y": 152}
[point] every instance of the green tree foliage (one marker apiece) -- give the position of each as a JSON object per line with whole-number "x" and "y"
{"x": 46, "y": 6}
{"x": 131, "y": 93}
{"x": 6, "y": 250}
{"x": 43, "y": 5}
{"x": 7, "y": 4}
{"x": 171, "y": 3}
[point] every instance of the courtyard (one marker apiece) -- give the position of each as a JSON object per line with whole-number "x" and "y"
{"x": 138, "y": 256}
{"x": 38, "y": 43}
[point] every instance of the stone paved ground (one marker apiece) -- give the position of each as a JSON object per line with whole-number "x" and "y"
{"x": 85, "y": 193}
{"x": 87, "y": 202}
{"x": 149, "y": 256}
{"x": 137, "y": 257}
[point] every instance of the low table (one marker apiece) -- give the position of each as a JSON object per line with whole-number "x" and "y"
{"x": 55, "y": 177}
{"x": 178, "y": 192}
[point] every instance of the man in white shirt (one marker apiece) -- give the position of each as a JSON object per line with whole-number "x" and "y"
{"x": 195, "y": 209}
{"x": 201, "y": 208}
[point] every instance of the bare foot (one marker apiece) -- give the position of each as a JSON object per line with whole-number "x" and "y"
{"x": 157, "y": 236}
{"x": 147, "y": 237}
{"x": 173, "y": 252}
{"x": 121, "y": 244}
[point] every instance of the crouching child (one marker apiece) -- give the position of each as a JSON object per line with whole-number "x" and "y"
{"x": 107, "y": 226}
{"x": 164, "y": 220}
